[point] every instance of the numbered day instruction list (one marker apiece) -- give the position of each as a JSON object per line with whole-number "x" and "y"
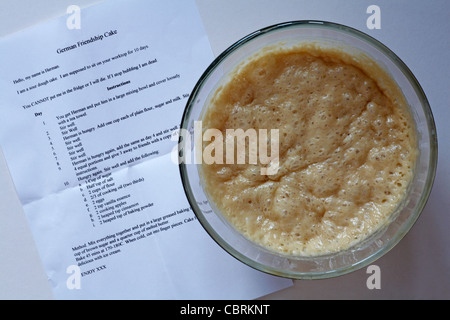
{"x": 87, "y": 116}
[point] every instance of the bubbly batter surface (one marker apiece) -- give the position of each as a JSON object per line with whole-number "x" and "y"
{"x": 347, "y": 150}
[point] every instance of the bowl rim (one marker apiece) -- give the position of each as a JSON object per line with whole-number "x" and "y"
{"x": 432, "y": 161}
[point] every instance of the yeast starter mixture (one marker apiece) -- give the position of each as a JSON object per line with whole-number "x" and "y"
{"x": 347, "y": 149}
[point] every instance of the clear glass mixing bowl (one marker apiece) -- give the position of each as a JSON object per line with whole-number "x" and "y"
{"x": 362, "y": 254}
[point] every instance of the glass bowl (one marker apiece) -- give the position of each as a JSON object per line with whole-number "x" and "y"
{"x": 361, "y": 254}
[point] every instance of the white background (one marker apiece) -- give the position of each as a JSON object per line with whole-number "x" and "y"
{"x": 417, "y": 31}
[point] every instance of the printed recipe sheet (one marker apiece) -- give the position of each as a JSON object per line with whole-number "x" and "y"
{"x": 88, "y": 106}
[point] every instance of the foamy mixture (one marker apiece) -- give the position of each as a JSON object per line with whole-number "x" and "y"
{"x": 347, "y": 149}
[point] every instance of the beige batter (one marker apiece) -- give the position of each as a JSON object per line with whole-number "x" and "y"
{"x": 347, "y": 149}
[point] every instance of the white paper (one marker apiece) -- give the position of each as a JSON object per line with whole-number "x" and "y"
{"x": 86, "y": 119}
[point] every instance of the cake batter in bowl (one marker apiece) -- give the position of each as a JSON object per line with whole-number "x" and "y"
{"x": 356, "y": 150}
